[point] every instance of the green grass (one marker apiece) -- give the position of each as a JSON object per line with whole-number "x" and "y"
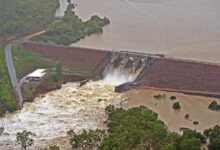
{"x": 7, "y": 100}
{"x": 27, "y": 61}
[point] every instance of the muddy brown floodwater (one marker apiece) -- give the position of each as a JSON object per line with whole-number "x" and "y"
{"x": 50, "y": 116}
{"x": 181, "y": 28}
{"x": 195, "y": 106}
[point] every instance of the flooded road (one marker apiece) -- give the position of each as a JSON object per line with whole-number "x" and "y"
{"x": 181, "y": 28}
{"x": 49, "y": 117}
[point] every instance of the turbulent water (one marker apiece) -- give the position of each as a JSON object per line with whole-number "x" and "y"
{"x": 181, "y": 28}
{"x": 117, "y": 77}
{"x": 51, "y": 116}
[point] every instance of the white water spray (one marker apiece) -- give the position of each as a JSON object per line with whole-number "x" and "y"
{"x": 117, "y": 77}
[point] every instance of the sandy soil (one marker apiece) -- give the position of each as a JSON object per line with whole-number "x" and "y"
{"x": 195, "y": 106}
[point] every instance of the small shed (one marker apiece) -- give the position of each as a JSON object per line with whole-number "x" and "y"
{"x": 37, "y": 74}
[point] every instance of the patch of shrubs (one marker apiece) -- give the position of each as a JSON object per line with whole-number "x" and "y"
{"x": 160, "y": 96}
{"x": 173, "y": 97}
{"x": 176, "y": 105}
{"x": 187, "y": 116}
{"x": 214, "y": 106}
{"x": 195, "y": 122}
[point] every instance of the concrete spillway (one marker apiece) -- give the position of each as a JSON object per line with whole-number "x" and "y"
{"x": 125, "y": 67}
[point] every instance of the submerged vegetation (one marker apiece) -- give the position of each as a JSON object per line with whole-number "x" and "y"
{"x": 71, "y": 28}
{"x": 214, "y": 106}
{"x": 138, "y": 128}
{"x": 22, "y": 17}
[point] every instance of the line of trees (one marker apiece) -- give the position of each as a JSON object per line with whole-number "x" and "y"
{"x": 135, "y": 128}
{"x": 139, "y": 128}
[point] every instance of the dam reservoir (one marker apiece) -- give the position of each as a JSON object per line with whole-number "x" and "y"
{"x": 178, "y": 28}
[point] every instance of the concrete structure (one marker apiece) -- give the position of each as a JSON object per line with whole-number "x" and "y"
{"x": 37, "y": 75}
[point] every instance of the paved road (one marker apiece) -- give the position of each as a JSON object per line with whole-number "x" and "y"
{"x": 11, "y": 70}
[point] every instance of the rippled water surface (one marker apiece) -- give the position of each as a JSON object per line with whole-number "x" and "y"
{"x": 181, "y": 28}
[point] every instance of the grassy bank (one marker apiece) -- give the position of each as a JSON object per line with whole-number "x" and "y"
{"x": 7, "y": 100}
{"x": 71, "y": 28}
{"x": 27, "y": 61}
{"x": 22, "y": 17}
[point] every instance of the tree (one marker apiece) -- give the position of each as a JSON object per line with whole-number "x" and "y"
{"x": 215, "y": 144}
{"x": 176, "y": 105}
{"x": 86, "y": 139}
{"x": 190, "y": 144}
{"x": 214, "y": 135}
{"x": 173, "y": 97}
{"x": 59, "y": 71}
{"x": 1, "y": 130}
{"x": 214, "y": 106}
{"x": 24, "y": 140}
{"x": 187, "y": 116}
{"x": 54, "y": 147}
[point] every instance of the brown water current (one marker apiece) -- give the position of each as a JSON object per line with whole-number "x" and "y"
{"x": 181, "y": 28}
{"x": 49, "y": 117}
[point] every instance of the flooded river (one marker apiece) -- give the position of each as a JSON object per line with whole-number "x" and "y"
{"x": 49, "y": 117}
{"x": 181, "y": 28}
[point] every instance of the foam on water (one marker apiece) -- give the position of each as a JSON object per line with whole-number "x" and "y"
{"x": 116, "y": 77}
{"x": 51, "y": 116}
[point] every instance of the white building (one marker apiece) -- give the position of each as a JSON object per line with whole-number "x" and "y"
{"x": 37, "y": 74}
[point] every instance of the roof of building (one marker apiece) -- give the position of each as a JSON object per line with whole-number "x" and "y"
{"x": 37, "y": 73}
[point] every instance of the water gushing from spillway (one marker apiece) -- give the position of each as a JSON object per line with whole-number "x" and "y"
{"x": 50, "y": 116}
{"x": 123, "y": 68}
{"x": 117, "y": 77}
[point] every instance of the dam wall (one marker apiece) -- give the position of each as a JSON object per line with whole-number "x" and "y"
{"x": 151, "y": 71}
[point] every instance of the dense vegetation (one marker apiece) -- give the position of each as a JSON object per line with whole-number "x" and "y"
{"x": 176, "y": 105}
{"x": 7, "y": 102}
{"x": 214, "y": 106}
{"x": 71, "y": 28}
{"x": 22, "y": 17}
{"x": 139, "y": 128}
{"x": 214, "y": 135}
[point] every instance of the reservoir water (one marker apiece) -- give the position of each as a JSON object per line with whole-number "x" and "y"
{"x": 181, "y": 28}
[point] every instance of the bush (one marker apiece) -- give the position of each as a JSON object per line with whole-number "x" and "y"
{"x": 159, "y": 96}
{"x": 195, "y": 122}
{"x": 176, "y": 105}
{"x": 173, "y": 97}
{"x": 214, "y": 106}
{"x": 187, "y": 116}
{"x": 1, "y": 130}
